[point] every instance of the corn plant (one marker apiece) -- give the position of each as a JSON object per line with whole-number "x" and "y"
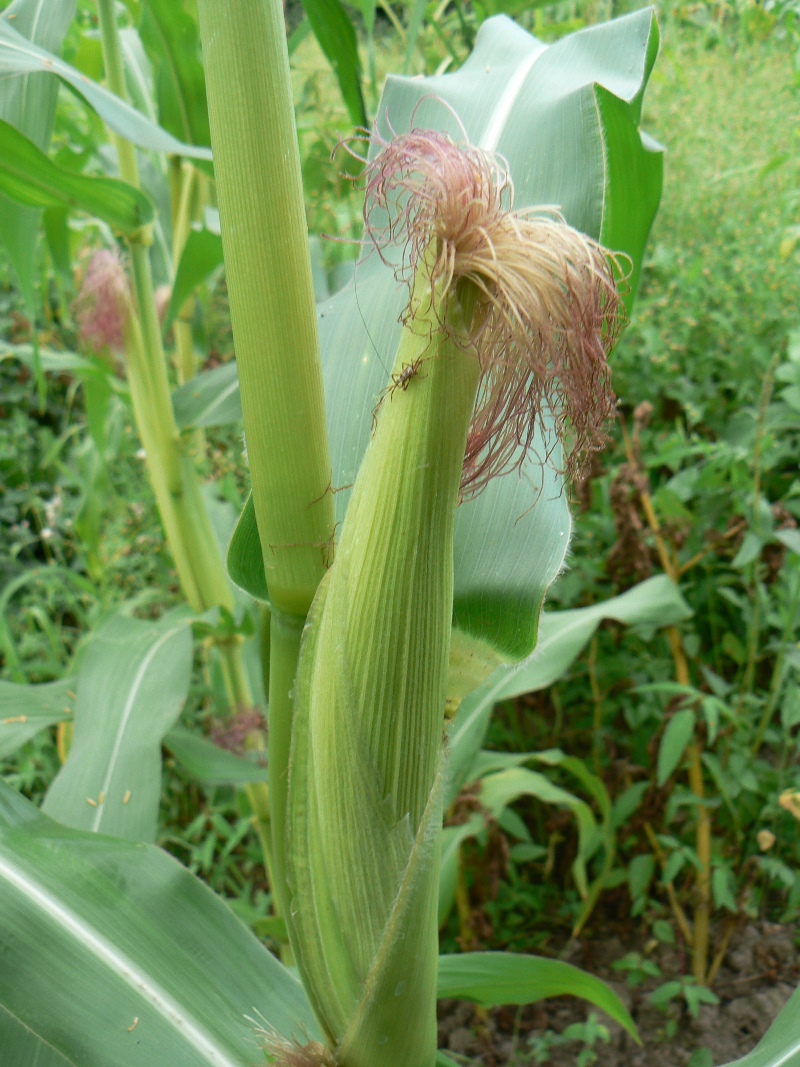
{"x": 474, "y": 337}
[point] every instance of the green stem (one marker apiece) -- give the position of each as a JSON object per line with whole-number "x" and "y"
{"x": 175, "y": 483}
{"x": 174, "y": 478}
{"x": 271, "y": 292}
{"x": 184, "y": 360}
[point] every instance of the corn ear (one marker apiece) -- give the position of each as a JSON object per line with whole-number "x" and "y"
{"x": 366, "y": 771}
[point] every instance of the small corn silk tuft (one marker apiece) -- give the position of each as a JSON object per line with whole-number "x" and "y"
{"x": 547, "y": 310}
{"x": 284, "y": 1053}
{"x": 104, "y": 302}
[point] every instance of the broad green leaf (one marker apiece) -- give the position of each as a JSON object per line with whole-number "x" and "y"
{"x": 29, "y": 177}
{"x": 170, "y": 36}
{"x": 131, "y": 687}
{"x": 677, "y": 735}
{"x": 549, "y": 112}
{"x": 55, "y": 222}
{"x": 563, "y": 635}
{"x": 210, "y": 764}
{"x": 780, "y": 1046}
{"x": 27, "y": 709}
{"x": 29, "y": 104}
{"x": 99, "y": 932}
{"x": 452, "y": 839}
{"x": 494, "y": 978}
{"x": 202, "y": 254}
{"x": 245, "y": 562}
{"x": 51, "y": 359}
{"x": 19, "y": 56}
{"x": 655, "y": 602}
{"x": 337, "y": 39}
{"x": 22, "y": 1048}
{"x": 138, "y": 73}
{"x": 209, "y": 399}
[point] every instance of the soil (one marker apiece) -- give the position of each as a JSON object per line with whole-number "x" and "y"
{"x": 760, "y": 972}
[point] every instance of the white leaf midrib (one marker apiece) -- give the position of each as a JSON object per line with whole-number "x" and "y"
{"x": 119, "y": 964}
{"x": 133, "y": 692}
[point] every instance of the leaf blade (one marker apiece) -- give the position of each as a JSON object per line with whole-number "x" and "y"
{"x": 121, "y": 931}
{"x": 495, "y": 978}
{"x": 131, "y": 687}
{"x": 29, "y": 177}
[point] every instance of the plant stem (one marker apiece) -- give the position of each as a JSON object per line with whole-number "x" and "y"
{"x": 174, "y": 479}
{"x": 268, "y": 267}
{"x": 175, "y": 483}
{"x": 186, "y": 189}
{"x": 273, "y": 314}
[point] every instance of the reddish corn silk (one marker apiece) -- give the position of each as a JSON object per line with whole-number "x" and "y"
{"x": 547, "y": 311}
{"x": 103, "y": 305}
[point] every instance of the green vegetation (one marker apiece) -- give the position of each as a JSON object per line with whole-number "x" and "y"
{"x": 643, "y": 765}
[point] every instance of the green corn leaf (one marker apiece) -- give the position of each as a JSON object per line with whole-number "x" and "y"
{"x": 563, "y": 634}
{"x": 780, "y": 1046}
{"x": 201, "y": 256}
{"x": 28, "y": 177}
{"x": 337, "y": 39}
{"x": 20, "y": 1046}
{"x": 138, "y": 72}
{"x": 204, "y": 401}
{"x": 20, "y": 56}
{"x": 494, "y": 978}
{"x": 59, "y": 362}
{"x": 170, "y": 35}
{"x": 27, "y": 709}
{"x": 29, "y": 104}
{"x": 501, "y": 789}
{"x": 136, "y": 961}
{"x": 566, "y": 118}
{"x": 132, "y": 684}
{"x": 452, "y": 839}
{"x": 208, "y": 763}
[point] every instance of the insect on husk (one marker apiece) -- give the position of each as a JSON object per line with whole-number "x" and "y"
{"x": 400, "y": 381}
{"x": 407, "y": 373}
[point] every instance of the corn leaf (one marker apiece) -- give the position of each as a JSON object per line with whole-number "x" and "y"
{"x": 18, "y": 1045}
{"x": 29, "y": 177}
{"x": 563, "y": 634}
{"x": 566, "y": 118}
{"x": 29, "y": 104}
{"x": 208, "y": 763}
{"x": 202, "y": 254}
{"x": 136, "y": 961}
{"x": 170, "y": 35}
{"x": 27, "y": 709}
{"x": 780, "y": 1046}
{"x": 138, "y": 73}
{"x": 20, "y": 56}
{"x": 132, "y": 684}
{"x": 494, "y": 978}
{"x": 337, "y": 39}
